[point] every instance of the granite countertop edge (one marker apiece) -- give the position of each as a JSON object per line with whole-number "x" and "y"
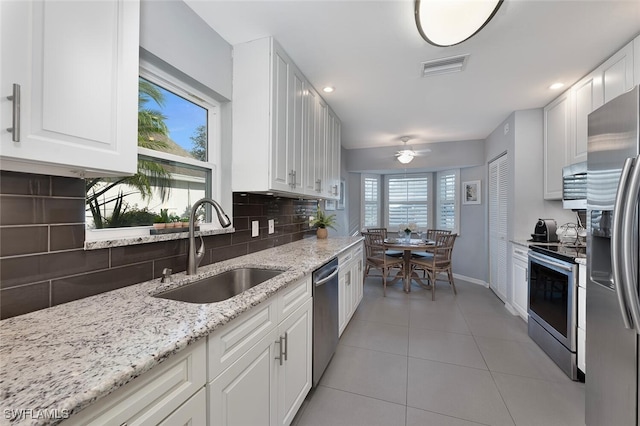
{"x": 69, "y": 356}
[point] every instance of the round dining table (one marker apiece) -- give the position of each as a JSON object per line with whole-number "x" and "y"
{"x": 407, "y": 246}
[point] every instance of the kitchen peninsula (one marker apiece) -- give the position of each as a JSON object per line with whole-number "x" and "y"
{"x": 65, "y": 358}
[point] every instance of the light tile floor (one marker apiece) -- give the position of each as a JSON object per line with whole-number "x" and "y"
{"x": 458, "y": 360}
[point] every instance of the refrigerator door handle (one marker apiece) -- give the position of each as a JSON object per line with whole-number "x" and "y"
{"x": 616, "y": 245}
{"x": 629, "y": 265}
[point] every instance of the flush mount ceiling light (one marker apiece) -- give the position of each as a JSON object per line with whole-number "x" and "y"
{"x": 405, "y": 155}
{"x": 328, "y": 89}
{"x": 556, "y": 86}
{"x": 449, "y": 22}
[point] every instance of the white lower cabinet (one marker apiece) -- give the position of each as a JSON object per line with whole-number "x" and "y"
{"x": 258, "y": 369}
{"x": 350, "y": 284}
{"x": 167, "y": 394}
{"x": 520, "y": 281}
{"x": 265, "y": 382}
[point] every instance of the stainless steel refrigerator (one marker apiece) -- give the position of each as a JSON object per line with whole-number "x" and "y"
{"x": 613, "y": 307}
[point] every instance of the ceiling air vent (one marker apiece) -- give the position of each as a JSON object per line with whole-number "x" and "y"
{"x": 444, "y": 65}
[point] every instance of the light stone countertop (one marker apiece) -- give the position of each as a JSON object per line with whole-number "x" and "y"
{"x": 70, "y": 355}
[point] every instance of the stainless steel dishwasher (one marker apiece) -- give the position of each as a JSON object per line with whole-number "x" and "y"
{"x": 325, "y": 317}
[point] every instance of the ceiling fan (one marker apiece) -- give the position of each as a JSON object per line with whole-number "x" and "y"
{"x": 405, "y": 155}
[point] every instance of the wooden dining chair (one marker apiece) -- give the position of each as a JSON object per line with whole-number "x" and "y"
{"x": 378, "y": 259}
{"x": 383, "y": 231}
{"x": 436, "y": 261}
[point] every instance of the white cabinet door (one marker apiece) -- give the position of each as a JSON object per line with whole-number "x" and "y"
{"x": 519, "y": 278}
{"x": 617, "y": 73}
{"x": 498, "y": 203}
{"x": 356, "y": 280}
{"x": 294, "y": 371}
{"x": 310, "y": 136}
{"x": 557, "y": 138}
{"x": 320, "y": 147}
{"x": 280, "y": 149}
{"x": 588, "y": 94}
{"x": 76, "y": 64}
{"x": 296, "y": 138}
{"x": 244, "y": 394}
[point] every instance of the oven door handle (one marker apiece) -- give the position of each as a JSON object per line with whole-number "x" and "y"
{"x": 547, "y": 261}
{"x": 627, "y": 241}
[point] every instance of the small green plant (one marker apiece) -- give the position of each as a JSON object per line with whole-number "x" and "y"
{"x": 164, "y": 215}
{"x": 323, "y": 221}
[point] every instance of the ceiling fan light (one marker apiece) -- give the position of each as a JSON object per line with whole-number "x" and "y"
{"x": 447, "y": 23}
{"x": 406, "y": 156}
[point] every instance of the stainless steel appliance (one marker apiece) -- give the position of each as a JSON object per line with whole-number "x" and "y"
{"x": 325, "y": 317}
{"x": 552, "y": 307}
{"x": 613, "y": 311}
{"x": 574, "y": 186}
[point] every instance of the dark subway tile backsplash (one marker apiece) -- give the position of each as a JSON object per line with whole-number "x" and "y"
{"x": 43, "y": 263}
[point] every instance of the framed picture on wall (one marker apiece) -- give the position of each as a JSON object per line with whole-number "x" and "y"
{"x": 471, "y": 192}
{"x": 330, "y": 204}
{"x": 342, "y": 195}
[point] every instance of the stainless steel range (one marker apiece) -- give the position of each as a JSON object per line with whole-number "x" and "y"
{"x": 553, "y": 282}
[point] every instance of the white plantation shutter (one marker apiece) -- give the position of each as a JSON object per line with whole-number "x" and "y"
{"x": 371, "y": 204}
{"x": 408, "y": 200}
{"x": 447, "y": 211}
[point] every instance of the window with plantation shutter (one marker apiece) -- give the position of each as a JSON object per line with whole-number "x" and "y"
{"x": 447, "y": 212}
{"x": 408, "y": 200}
{"x": 371, "y": 201}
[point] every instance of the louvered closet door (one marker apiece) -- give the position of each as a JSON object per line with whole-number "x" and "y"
{"x": 498, "y": 202}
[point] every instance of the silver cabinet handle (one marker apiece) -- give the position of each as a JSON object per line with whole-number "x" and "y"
{"x": 280, "y": 356}
{"x": 286, "y": 345}
{"x": 616, "y": 249}
{"x": 15, "y": 121}
{"x": 629, "y": 274}
{"x": 318, "y": 185}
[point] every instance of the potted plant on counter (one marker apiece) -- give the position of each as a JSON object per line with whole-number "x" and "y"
{"x": 322, "y": 222}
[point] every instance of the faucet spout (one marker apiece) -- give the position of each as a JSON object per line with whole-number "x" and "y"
{"x": 194, "y": 259}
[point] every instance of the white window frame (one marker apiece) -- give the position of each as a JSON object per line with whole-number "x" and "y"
{"x": 456, "y": 201}
{"x": 429, "y": 202}
{"x": 364, "y": 203}
{"x": 181, "y": 88}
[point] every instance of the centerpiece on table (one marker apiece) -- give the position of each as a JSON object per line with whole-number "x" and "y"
{"x": 322, "y": 222}
{"x": 406, "y": 230}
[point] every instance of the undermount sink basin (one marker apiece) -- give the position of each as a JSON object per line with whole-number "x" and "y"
{"x": 220, "y": 287}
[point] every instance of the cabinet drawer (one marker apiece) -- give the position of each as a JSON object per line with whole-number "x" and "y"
{"x": 229, "y": 342}
{"x": 293, "y": 297}
{"x": 193, "y": 412}
{"x": 150, "y": 398}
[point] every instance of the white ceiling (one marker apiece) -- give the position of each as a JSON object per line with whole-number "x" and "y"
{"x": 370, "y": 51}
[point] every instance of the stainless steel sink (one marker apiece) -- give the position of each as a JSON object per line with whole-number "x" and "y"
{"x": 220, "y": 287}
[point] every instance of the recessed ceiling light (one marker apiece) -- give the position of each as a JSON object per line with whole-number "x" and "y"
{"x": 556, "y": 86}
{"x": 328, "y": 89}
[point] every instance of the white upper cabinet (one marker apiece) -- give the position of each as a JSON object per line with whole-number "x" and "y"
{"x": 76, "y": 67}
{"x": 566, "y": 117}
{"x": 636, "y": 61}
{"x": 279, "y": 124}
{"x": 557, "y": 135}
{"x": 617, "y": 73}
{"x": 587, "y": 95}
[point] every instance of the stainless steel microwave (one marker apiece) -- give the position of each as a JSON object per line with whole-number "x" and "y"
{"x": 574, "y": 186}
